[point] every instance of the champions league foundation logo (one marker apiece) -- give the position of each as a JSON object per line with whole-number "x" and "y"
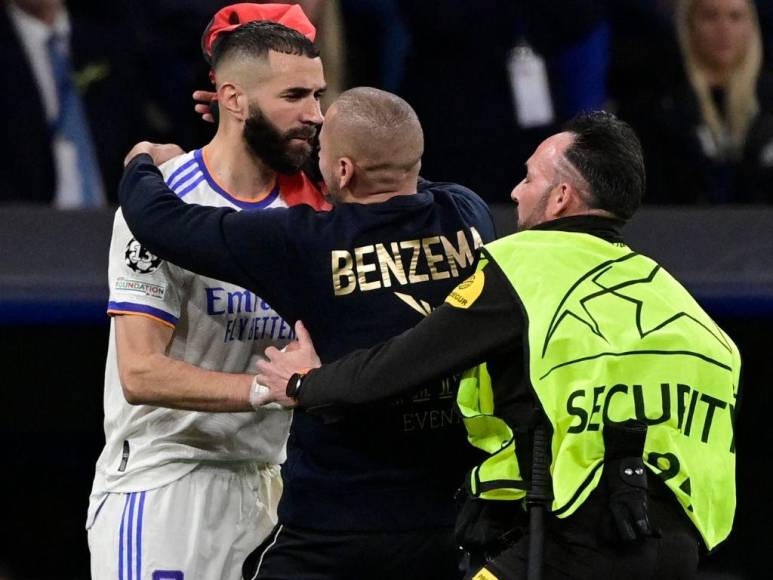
{"x": 140, "y": 259}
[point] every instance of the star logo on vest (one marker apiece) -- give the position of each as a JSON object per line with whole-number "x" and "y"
{"x": 613, "y": 304}
{"x": 139, "y": 259}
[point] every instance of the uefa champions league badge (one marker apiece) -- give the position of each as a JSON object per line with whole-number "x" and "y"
{"x": 139, "y": 259}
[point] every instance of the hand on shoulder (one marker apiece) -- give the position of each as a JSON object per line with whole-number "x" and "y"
{"x": 160, "y": 152}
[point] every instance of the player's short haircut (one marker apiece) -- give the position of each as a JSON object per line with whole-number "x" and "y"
{"x": 608, "y": 155}
{"x": 256, "y": 39}
{"x": 382, "y": 130}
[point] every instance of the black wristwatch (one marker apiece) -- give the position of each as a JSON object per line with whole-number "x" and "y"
{"x": 294, "y": 384}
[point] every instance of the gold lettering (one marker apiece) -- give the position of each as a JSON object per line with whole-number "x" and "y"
{"x": 477, "y": 242}
{"x": 363, "y": 269}
{"x": 352, "y": 270}
{"x": 413, "y": 277}
{"x": 391, "y": 263}
{"x": 463, "y": 257}
{"x": 342, "y": 263}
{"x": 432, "y": 259}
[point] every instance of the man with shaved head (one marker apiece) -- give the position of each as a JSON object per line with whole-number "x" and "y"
{"x": 367, "y": 494}
{"x": 382, "y": 134}
{"x": 185, "y": 486}
{"x": 602, "y": 394}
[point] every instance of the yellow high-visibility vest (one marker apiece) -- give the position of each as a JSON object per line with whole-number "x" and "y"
{"x": 610, "y": 336}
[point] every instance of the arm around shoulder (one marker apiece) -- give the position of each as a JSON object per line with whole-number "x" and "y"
{"x": 189, "y": 235}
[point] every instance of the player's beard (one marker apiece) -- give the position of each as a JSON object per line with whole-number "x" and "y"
{"x": 275, "y": 148}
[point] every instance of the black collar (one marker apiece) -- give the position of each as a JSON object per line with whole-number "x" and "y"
{"x": 605, "y": 228}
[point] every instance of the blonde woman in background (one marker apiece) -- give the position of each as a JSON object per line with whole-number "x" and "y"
{"x": 722, "y": 49}
{"x": 709, "y": 139}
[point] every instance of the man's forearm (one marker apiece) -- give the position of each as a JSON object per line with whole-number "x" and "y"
{"x": 149, "y": 376}
{"x": 161, "y": 381}
{"x": 448, "y": 341}
{"x": 429, "y": 352}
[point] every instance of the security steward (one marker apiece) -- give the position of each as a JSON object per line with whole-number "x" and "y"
{"x": 602, "y": 393}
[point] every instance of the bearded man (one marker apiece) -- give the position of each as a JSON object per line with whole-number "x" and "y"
{"x": 186, "y": 486}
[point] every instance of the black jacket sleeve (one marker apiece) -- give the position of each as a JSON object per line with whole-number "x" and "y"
{"x": 451, "y": 339}
{"x": 247, "y": 248}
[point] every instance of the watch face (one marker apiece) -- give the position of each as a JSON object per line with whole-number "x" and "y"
{"x": 294, "y": 385}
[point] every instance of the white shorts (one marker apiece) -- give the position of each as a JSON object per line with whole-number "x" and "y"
{"x": 200, "y": 527}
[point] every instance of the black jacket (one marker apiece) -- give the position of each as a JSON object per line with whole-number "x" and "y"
{"x": 356, "y": 276}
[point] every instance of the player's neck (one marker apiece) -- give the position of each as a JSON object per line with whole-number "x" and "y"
{"x": 239, "y": 173}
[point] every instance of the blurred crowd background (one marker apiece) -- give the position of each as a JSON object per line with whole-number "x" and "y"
{"x": 488, "y": 78}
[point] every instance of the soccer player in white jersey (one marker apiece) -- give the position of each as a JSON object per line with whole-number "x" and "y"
{"x": 187, "y": 484}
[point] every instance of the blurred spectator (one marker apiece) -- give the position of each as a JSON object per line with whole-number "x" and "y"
{"x": 172, "y": 66}
{"x": 709, "y": 137}
{"x": 378, "y": 42}
{"x": 645, "y": 58}
{"x": 491, "y": 79}
{"x": 72, "y": 107}
{"x": 50, "y": 142}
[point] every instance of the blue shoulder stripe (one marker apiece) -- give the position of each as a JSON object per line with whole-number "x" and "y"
{"x": 142, "y": 309}
{"x": 187, "y": 176}
{"x": 190, "y": 187}
{"x": 179, "y": 170}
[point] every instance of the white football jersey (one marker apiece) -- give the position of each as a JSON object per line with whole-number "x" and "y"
{"x": 217, "y": 326}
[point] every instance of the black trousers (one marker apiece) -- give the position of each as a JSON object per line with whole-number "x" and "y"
{"x": 303, "y": 554}
{"x": 580, "y": 547}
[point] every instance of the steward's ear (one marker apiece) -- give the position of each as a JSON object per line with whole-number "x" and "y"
{"x": 565, "y": 200}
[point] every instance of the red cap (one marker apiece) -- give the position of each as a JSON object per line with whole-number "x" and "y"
{"x": 233, "y": 16}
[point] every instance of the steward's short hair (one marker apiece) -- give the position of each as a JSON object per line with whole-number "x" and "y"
{"x": 608, "y": 155}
